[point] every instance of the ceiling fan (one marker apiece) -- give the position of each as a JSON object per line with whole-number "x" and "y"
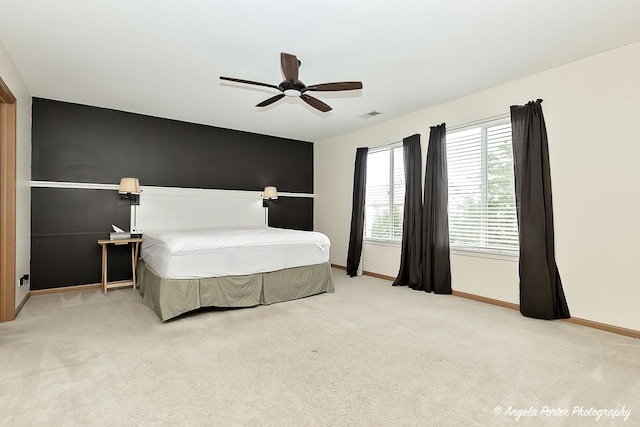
{"x": 291, "y": 86}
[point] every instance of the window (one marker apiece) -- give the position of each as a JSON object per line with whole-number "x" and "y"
{"x": 384, "y": 199}
{"x": 482, "y": 207}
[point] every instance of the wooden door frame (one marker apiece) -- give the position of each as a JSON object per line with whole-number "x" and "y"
{"x": 7, "y": 203}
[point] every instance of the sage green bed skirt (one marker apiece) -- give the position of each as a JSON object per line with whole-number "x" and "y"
{"x": 172, "y": 297}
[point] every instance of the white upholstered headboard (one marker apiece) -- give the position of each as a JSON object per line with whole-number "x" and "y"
{"x": 166, "y": 208}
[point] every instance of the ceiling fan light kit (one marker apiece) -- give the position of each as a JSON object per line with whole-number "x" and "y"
{"x": 292, "y": 92}
{"x": 293, "y": 87}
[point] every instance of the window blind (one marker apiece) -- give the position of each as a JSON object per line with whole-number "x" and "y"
{"x": 482, "y": 209}
{"x": 384, "y": 198}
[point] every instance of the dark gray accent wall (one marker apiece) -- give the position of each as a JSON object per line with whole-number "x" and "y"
{"x": 65, "y": 227}
{"x": 78, "y": 143}
{"x": 285, "y": 213}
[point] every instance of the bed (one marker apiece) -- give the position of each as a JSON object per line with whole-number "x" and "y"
{"x": 211, "y": 248}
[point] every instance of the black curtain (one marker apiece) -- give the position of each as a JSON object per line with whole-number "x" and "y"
{"x": 357, "y": 212}
{"x": 436, "y": 265}
{"x": 541, "y": 293}
{"x": 411, "y": 256}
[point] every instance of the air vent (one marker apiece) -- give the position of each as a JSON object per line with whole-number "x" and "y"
{"x": 370, "y": 114}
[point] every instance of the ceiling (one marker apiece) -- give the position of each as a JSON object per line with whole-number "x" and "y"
{"x": 164, "y": 58}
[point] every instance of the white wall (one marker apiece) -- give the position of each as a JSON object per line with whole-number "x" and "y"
{"x": 592, "y": 108}
{"x": 13, "y": 80}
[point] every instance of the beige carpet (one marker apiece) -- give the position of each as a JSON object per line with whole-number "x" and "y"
{"x": 369, "y": 354}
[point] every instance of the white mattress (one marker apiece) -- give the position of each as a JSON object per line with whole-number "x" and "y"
{"x": 218, "y": 252}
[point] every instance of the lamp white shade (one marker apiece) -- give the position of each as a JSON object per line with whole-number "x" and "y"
{"x": 270, "y": 193}
{"x": 129, "y": 185}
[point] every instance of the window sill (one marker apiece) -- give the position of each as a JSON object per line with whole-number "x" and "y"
{"x": 502, "y": 256}
{"x": 380, "y": 242}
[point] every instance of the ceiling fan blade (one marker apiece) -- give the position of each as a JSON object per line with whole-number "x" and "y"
{"x": 249, "y": 82}
{"x": 336, "y": 86}
{"x": 271, "y": 100}
{"x": 315, "y": 103}
{"x": 290, "y": 66}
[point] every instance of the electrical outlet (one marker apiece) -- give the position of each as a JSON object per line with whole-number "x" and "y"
{"x": 24, "y": 280}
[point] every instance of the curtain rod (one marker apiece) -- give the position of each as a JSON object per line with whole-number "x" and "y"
{"x": 456, "y": 127}
{"x": 477, "y": 122}
{"x": 382, "y": 147}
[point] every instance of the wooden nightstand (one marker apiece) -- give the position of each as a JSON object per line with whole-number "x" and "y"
{"x": 135, "y": 245}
